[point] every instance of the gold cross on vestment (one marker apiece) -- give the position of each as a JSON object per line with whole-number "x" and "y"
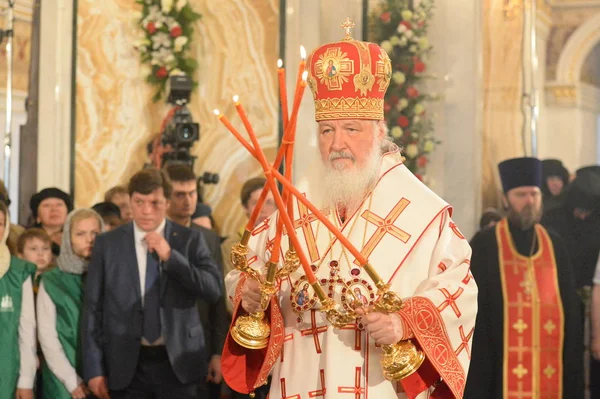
{"x": 519, "y": 371}
{"x": 520, "y": 326}
{"x": 549, "y": 371}
{"x": 347, "y": 25}
{"x": 549, "y": 327}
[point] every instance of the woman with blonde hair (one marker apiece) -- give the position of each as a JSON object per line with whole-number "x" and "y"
{"x": 60, "y": 301}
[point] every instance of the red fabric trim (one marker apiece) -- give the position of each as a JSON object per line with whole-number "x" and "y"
{"x": 430, "y": 334}
{"x": 243, "y": 369}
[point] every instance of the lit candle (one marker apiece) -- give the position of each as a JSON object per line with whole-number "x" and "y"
{"x": 283, "y": 93}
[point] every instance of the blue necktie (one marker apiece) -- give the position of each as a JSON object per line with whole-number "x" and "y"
{"x": 152, "y": 299}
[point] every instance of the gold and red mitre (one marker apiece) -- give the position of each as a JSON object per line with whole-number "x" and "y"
{"x": 348, "y": 79}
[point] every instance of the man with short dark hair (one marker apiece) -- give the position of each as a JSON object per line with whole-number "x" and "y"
{"x": 215, "y": 318}
{"x": 528, "y": 334}
{"x": 142, "y": 335}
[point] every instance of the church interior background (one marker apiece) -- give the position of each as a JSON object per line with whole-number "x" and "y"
{"x": 93, "y": 116}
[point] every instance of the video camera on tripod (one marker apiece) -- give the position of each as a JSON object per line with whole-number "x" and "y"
{"x": 181, "y": 132}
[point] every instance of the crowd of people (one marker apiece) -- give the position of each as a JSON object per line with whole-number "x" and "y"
{"x": 61, "y": 327}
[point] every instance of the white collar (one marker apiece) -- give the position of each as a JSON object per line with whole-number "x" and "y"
{"x": 139, "y": 234}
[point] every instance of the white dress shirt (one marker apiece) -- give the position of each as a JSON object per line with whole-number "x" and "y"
{"x": 53, "y": 351}
{"x": 141, "y": 252}
{"x": 27, "y": 342}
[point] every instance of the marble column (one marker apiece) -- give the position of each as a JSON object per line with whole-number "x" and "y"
{"x": 54, "y": 134}
{"x": 455, "y": 171}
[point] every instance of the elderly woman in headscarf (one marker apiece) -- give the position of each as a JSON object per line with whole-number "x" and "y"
{"x": 60, "y": 301}
{"x": 49, "y": 208}
{"x": 17, "y": 321}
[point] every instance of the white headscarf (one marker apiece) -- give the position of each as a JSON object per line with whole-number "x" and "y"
{"x": 4, "y": 252}
{"x": 68, "y": 261}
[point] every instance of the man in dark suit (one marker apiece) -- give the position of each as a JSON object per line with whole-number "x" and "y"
{"x": 142, "y": 335}
{"x": 215, "y": 319}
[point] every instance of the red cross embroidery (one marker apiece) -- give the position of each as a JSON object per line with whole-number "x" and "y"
{"x": 284, "y": 392}
{"x": 319, "y": 392}
{"x": 357, "y": 390}
{"x": 263, "y": 227}
{"x": 357, "y": 335}
{"x": 314, "y": 331}
{"x": 456, "y": 231}
{"x": 384, "y": 226}
{"x": 451, "y": 300}
{"x": 468, "y": 277}
{"x": 304, "y": 221}
{"x": 286, "y": 338}
{"x": 465, "y": 341}
{"x": 442, "y": 267}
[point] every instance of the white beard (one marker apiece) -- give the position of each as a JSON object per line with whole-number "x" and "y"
{"x": 346, "y": 188}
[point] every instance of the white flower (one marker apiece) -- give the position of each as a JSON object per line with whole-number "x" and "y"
{"x": 395, "y": 40}
{"x": 399, "y": 77}
{"x": 409, "y": 34}
{"x": 161, "y": 56}
{"x": 411, "y": 151}
{"x": 412, "y": 49}
{"x": 145, "y": 70}
{"x": 407, "y": 15}
{"x": 403, "y": 42}
{"x": 154, "y": 14}
{"x": 179, "y": 43}
{"x": 142, "y": 43}
{"x": 402, "y": 28}
{"x": 166, "y": 5}
{"x": 180, "y": 4}
{"x": 416, "y": 120}
{"x": 403, "y": 103}
{"x": 161, "y": 39}
{"x": 423, "y": 42}
{"x": 176, "y": 72}
{"x": 171, "y": 22}
{"x": 396, "y": 132}
{"x": 387, "y": 46}
{"x": 428, "y": 146}
{"x": 419, "y": 109}
{"x": 137, "y": 15}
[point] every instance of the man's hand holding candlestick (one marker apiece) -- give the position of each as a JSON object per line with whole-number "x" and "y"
{"x": 251, "y": 296}
{"x": 385, "y": 329}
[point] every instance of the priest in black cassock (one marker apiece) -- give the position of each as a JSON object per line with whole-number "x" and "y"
{"x": 528, "y": 334}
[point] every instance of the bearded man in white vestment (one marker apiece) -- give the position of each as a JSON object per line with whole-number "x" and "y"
{"x": 399, "y": 225}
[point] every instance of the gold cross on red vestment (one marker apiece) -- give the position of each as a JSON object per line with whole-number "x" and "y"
{"x": 357, "y": 390}
{"x": 314, "y": 331}
{"x": 384, "y": 226}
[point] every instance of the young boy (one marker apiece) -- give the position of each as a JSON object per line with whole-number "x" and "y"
{"x": 35, "y": 246}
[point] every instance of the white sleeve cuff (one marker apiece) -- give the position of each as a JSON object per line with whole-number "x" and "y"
{"x": 25, "y": 382}
{"x": 72, "y": 383}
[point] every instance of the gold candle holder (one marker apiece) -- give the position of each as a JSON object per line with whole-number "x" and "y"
{"x": 401, "y": 359}
{"x": 253, "y": 331}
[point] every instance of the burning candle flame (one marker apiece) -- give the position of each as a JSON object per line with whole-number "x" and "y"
{"x": 216, "y": 112}
{"x": 236, "y": 99}
{"x": 304, "y": 75}
{"x": 279, "y": 63}
{"x": 302, "y": 52}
